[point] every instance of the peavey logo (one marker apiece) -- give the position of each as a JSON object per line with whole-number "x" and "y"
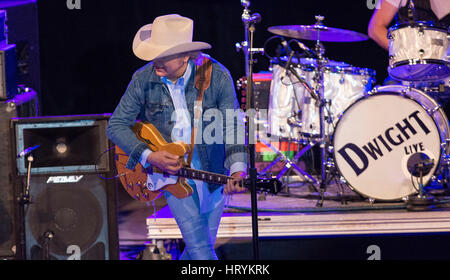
{"x": 64, "y": 179}
{"x": 385, "y": 141}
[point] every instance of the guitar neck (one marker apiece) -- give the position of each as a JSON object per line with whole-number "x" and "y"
{"x": 209, "y": 177}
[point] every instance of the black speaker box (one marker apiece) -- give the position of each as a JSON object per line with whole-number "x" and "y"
{"x": 63, "y": 144}
{"x": 22, "y": 22}
{"x": 7, "y": 196}
{"x": 8, "y": 72}
{"x": 71, "y": 217}
{"x": 72, "y": 212}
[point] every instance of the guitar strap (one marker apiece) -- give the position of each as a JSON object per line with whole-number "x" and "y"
{"x": 202, "y": 83}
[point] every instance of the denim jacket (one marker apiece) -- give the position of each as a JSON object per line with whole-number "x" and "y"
{"x": 147, "y": 98}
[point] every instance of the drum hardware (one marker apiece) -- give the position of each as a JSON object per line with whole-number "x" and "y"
{"x": 318, "y": 32}
{"x": 295, "y": 120}
{"x": 356, "y": 84}
{"x": 412, "y": 15}
{"x": 446, "y": 172}
{"x": 421, "y": 201}
{"x": 332, "y": 175}
{"x": 316, "y": 94}
{"x": 289, "y": 164}
{"x": 317, "y": 79}
{"x": 433, "y": 110}
{"x": 425, "y": 59}
{"x": 244, "y": 45}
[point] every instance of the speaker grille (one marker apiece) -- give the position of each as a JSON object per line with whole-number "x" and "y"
{"x": 75, "y": 213}
{"x": 71, "y": 212}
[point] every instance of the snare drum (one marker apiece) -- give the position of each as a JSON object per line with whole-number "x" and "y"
{"x": 378, "y": 138}
{"x": 418, "y": 52}
{"x": 343, "y": 84}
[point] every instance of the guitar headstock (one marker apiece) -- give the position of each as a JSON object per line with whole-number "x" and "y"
{"x": 271, "y": 185}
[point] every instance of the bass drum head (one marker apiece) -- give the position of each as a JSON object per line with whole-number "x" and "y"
{"x": 376, "y": 138}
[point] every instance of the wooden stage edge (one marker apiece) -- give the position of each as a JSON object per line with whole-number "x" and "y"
{"x": 292, "y": 226}
{"x": 295, "y": 214}
{"x": 316, "y": 224}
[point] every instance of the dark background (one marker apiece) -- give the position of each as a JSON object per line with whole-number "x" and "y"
{"x": 87, "y": 60}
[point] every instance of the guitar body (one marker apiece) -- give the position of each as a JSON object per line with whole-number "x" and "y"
{"x": 135, "y": 181}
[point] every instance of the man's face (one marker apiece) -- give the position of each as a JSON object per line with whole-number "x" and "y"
{"x": 171, "y": 67}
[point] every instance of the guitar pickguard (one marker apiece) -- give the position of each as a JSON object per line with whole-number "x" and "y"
{"x": 157, "y": 181}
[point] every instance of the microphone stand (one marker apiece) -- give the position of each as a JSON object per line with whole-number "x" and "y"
{"x": 421, "y": 202}
{"x": 249, "y": 24}
{"x": 412, "y": 16}
{"x": 302, "y": 81}
{"x": 24, "y": 199}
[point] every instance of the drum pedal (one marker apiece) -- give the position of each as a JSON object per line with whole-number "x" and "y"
{"x": 420, "y": 203}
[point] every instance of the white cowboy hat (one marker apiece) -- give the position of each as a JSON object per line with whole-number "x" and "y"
{"x": 167, "y": 35}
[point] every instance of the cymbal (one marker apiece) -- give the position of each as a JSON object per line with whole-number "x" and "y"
{"x": 315, "y": 32}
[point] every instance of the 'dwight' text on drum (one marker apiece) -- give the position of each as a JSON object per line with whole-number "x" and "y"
{"x": 388, "y": 140}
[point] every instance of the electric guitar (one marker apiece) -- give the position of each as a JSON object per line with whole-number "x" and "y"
{"x": 146, "y": 184}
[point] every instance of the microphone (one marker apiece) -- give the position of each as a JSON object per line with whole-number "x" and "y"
{"x": 419, "y": 163}
{"x": 245, "y": 3}
{"x": 27, "y": 151}
{"x": 285, "y": 44}
{"x": 307, "y": 50}
{"x": 293, "y": 121}
{"x": 300, "y": 79}
{"x": 255, "y": 18}
{"x": 287, "y": 66}
{"x": 22, "y": 98}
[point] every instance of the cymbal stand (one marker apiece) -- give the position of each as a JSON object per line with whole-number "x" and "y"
{"x": 317, "y": 94}
{"x": 321, "y": 102}
{"x": 289, "y": 164}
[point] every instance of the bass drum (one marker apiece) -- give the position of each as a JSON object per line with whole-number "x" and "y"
{"x": 379, "y": 139}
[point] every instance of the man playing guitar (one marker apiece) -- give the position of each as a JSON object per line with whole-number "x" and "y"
{"x": 164, "y": 93}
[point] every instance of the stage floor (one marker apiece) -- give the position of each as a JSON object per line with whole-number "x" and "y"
{"x": 292, "y": 214}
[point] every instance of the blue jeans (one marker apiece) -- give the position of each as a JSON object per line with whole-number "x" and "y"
{"x": 199, "y": 230}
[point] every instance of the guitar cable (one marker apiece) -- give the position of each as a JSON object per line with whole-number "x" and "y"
{"x": 113, "y": 169}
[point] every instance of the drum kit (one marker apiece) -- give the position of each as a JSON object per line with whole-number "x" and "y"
{"x": 384, "y": 142}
